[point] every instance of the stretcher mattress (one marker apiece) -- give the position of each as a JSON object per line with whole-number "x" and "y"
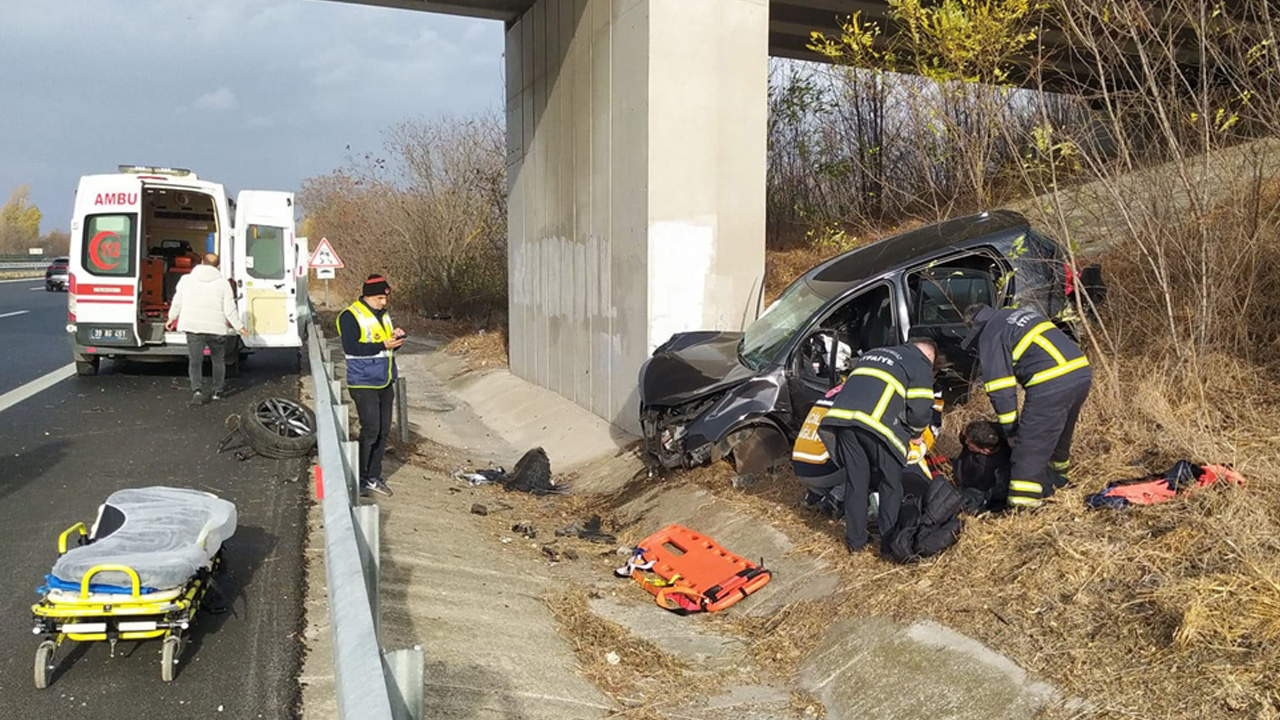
{"x": 166, "y": 536}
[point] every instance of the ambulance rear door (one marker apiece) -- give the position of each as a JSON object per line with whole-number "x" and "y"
{"x": 264, "y": 259}
{"x": 102, "y": 303}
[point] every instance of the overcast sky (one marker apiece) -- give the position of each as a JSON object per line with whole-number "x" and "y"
{"x": 255, "y": 94}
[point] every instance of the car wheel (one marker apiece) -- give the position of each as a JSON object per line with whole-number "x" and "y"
{"x": 279, "y": 428}
{"x": 88, "y": 366}
{"x": 757, "y": 450}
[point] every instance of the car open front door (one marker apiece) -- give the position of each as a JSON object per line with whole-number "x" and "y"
{"x": 264, "y": 259}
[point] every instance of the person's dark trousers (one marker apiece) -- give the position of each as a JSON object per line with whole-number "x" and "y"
{"x": 868, "y": 465}
{"x": 374, "y": 408}
{"x": 217, "y": 344}
{"x": 1045, "y": 431}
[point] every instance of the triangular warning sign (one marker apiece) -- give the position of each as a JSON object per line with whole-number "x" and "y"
{"x": 324, "y": 256}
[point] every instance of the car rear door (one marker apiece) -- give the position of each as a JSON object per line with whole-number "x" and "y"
{"x": 264, "y": 259}
{"x": 105, "y": 257}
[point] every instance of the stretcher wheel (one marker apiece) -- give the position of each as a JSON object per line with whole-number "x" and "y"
{"x": 44, "y": 663}
{"x": 169, "y": 652}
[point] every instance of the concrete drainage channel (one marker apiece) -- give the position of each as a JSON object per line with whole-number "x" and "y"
{"x": 370, "y": 683}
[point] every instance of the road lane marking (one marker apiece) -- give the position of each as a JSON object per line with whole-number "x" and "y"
{"x": 26, "y": 279}
{"x": 36, "y": 289}
{"x": 40, "y": 384}
{"x": 15, "y": 312}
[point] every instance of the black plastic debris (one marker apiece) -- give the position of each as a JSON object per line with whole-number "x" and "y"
{"x": 524, "y": 529}
{"x": 532, "y": 474}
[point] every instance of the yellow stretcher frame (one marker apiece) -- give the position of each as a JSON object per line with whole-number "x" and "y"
{"x": 173, "y": 611}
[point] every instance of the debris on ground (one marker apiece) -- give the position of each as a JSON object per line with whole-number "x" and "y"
{"x": 552, "y": 554}
{"x": 589, "y": 531}
{"x": 532, "y": 474}
{"x": 525, "y": 529}
{"x": 478, "y": 509}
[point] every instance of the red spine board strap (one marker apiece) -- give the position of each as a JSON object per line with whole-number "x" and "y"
{"x": 694, "y": 573}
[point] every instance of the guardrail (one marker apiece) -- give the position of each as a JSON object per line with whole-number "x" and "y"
{"x": 23, "y": 265}
{"x": 372, "y": 684}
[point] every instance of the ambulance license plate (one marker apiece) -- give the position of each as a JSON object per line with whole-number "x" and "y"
{"x": 108, "y": 334}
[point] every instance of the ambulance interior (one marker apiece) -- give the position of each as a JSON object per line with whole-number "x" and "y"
{"x": 178, "y": 227}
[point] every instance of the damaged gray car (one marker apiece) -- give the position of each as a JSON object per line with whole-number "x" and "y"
{"x": 707, "y": 396}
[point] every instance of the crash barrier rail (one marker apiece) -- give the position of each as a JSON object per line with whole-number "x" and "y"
{"x": 372, "y": 684}
{"x": 24, "y": 265}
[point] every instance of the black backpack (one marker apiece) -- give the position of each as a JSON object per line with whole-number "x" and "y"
{"x": 928, "y": 523}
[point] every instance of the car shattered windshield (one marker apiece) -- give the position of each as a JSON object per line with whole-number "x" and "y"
{"x": 768, "y": 334}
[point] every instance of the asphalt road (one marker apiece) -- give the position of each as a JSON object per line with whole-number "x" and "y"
{"x": 65, "y": 449}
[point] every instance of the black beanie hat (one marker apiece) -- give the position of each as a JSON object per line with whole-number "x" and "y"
{"x": 375, "y": 285}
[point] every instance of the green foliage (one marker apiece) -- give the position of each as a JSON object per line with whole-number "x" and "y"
{"x": 19, "y": 222}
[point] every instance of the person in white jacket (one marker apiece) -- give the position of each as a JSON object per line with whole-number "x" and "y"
{"x": 203, "y": 307}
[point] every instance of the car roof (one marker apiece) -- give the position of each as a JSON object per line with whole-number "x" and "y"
{"x": 842, "y": 272}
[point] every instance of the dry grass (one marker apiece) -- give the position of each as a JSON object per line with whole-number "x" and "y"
{"x": 643, "y": 678}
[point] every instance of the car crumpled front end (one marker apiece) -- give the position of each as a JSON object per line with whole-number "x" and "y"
{"x": 709, "y": 428}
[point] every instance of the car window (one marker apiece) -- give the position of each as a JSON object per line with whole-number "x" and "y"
{"x": 265, "y": 252}
{"x": 766, "y": 337}
{"x": 107, "y": 247}
{"x": 942, "y": 295}
{"x": 864, "y": 321}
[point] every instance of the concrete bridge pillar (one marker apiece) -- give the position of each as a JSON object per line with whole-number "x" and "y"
{"x": 636, "y": 145}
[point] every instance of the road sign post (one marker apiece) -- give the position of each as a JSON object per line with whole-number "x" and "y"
{"x": 326, "y": 262}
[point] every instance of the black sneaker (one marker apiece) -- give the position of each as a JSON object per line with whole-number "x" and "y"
{"x": 197, "y": 398}
{"x": 379, "y": 485}
{"x": 364, "y": 489}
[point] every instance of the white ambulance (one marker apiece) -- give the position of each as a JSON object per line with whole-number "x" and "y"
{"x": 136, "y": 233}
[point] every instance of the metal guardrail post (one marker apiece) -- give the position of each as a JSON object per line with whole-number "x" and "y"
{"x": 406, "y": 669}
{"x": 368, "y": 522}
{"x": 351, "y": 449}
{"x": 362, "y": 688}
{"x": 402, "y": 412}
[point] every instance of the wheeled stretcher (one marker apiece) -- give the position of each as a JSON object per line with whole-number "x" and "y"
{"x": 141, "y": 572}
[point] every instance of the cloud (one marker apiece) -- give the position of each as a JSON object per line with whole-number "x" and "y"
{"x": 220, "y": 100}
{"x": 303, "y": 79}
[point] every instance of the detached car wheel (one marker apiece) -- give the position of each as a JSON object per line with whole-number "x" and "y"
{"x": 279, "y": 428}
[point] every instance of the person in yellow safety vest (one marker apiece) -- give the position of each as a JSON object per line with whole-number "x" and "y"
{"x": 885, "y": 404}
{"x": 369, "y": 342}
{"x": 1023, "y": 347}
{"x": 815, "y": 466}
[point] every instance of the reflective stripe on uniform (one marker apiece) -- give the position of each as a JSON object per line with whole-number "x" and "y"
{"x": 920, "y": 393}
{"x": 1000, "y": 384}
{"x": 371, "y": 331}
{"x": 806, "y": 457}
{"x": 1009, "y": 417}
{"x": 1026, "y": 486}
{"x": 1025, "y": 501}
{"x": 1059, "y": 371}
{"x": 879, "y": 427}
{"x": 1029, "y": 338}
{"x": 1060, "y": 466}
{"x": 890, "y": 380}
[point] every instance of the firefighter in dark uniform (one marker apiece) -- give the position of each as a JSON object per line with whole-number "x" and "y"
{"x": 1022, "y": 347}
{"x": 886, "y": 402}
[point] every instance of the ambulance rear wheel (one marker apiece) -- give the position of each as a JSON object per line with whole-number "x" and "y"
{"x": 44, "y": 663}
{"x": 87, "y": 366}
{"x": 169, "y": 653}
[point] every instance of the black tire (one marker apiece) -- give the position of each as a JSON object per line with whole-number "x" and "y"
{"x": 88, "y": 366}
{"x": 44, "y": 661}
{"x": 48, "y": 287}
{"x": 279, "y": 428}
{"x": 169, "y": 652}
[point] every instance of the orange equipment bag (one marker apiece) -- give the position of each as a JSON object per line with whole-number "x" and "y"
{"x": 694, "y": 573}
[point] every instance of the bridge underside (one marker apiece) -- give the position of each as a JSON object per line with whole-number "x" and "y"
{"x": 636, "y": 145}
{"x": 790, "y": 23}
